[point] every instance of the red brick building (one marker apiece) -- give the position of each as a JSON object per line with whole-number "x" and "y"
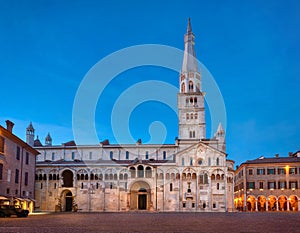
{"x": 17, "y": 169}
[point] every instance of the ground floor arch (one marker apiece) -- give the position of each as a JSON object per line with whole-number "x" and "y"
{"x": 251, "y": 203}
{"x": 140, "y": 196}
{"x": 66, "y": 201}
{"x": 268, "y": 203}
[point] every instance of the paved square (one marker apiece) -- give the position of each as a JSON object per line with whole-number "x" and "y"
{"x": 154, "y": 222}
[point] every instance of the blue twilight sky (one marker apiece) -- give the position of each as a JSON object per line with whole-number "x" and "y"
{"x": 252, "y": 49}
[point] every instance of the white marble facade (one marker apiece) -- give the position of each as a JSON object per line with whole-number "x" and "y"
{"x": 192, "y": 174}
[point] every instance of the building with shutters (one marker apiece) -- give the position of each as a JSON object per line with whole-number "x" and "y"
{"x": 17, "y": 169}
{"x": 268, "y": 184}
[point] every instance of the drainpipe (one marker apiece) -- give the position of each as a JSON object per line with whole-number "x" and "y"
{"x": 164, "y": 193}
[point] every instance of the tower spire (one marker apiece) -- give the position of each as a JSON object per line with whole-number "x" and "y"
{"x": 190, "y": 98}
{"x": 189, "y": 27}
{"x": 30, "y": 134}
{"x": 189, "y": 60}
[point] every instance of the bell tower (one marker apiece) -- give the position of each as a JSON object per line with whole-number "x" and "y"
{"x": 30, "y": 135}
{"x": 190, "y": 97}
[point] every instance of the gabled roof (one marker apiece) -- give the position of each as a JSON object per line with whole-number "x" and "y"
{"x": 196, "y": 145}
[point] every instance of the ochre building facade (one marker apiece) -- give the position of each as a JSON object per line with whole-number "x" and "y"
{"x": 268, "y": 184}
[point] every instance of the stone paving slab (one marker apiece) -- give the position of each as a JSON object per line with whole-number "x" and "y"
{"x": 242, "y": 222}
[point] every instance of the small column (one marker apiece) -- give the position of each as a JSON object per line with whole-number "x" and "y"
{"x": 197, "y": 201}
{"x": 47, "y": 189}
{"x": 245, "y": 201}
{"x": 103, "y": 190}
{"x": 163, "y": 201}
{"x": 210, "y": 193}
{"x": 267, "y": 204}
{"x": 179, "y": 193}
{"x": 225, "y": 196}
{"x": 277, "y": 205}
{"x": 256, "y": 205}
{"x": 288, "y": 204}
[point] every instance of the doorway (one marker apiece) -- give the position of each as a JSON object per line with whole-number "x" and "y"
{"x": 142, "y": 203}
{"x": 69, "y": 202}
{"x": 140, "y": 196}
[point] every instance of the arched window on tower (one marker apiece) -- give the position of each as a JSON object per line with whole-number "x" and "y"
{"x": 183, "y": 87}
{"x": 196, "y": 116}
{"x": 194, "y": 134}
{"x": 192, "y": 116}
{"x": 187, "y": 116}
{"x": 191, "y": 86}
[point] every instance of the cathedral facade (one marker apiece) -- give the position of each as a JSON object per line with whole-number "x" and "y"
{"x": 193, "y": 174}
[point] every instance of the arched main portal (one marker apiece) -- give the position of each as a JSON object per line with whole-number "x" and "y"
{"x": 67, "y": 201}
{"x": 140, "y": 196}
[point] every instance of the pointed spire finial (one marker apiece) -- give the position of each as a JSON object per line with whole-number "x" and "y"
{"x": 30, "y": 126}
{"x": 220, "y": 131}
{"x": 189, "y": 27}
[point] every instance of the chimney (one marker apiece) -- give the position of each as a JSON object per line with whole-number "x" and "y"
{"x": 9, "y": 125}
{"x": 290, "y": 154}
{"x": 277, "y": 155}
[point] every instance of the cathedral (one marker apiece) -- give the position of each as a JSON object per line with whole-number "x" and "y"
{"x": 193, "y": 174}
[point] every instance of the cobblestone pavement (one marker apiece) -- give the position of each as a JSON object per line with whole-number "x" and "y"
{"x": 153, "y": 222}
